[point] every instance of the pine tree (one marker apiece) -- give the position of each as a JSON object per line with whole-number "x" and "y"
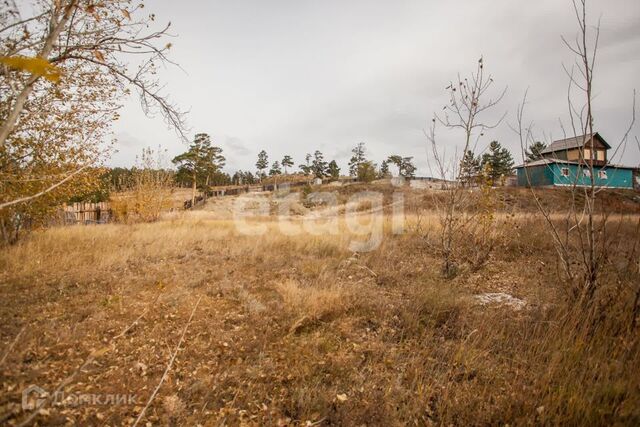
{"x": 306, "y": 168}
{"x": 199, "y": 164}
{"x": 236, "y": 179}
{"x": 333, "y": 170}
{"x": 243, "y": 178}
{"x": 407, "y": 169}
{"x": 319, "y": 165}
{"x": 275, "y": 169}
{"x": 287, "y": 162}
{"x": 249, "y": 178}
{"x": 405, "y": 165}
{"x": 384, "y": 170}
{"x": 534, "y": 151}
{"x": 358, "y": 158}
{"x": 262, "y": 163}
{"x": 470, "y": 167}
{"x": 498, "y": 161}
{"x": 396, "y": 160}
{"x": 366, "y": 171}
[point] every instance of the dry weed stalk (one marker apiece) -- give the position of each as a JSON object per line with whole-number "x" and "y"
{"x": 13, "y": 344}
{"x": 464, "y": 111}
{"x": 169, "y": 365}
{"x": 584, "y": 238}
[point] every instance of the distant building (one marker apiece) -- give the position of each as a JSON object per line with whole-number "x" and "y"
{"x": 566, "y": 163}
{"x": 578, "y": 149}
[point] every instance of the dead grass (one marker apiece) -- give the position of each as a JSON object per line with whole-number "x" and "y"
{"x": 294, "y": 330}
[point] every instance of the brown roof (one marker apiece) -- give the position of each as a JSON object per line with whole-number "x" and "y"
{"x": 574, "y": 142}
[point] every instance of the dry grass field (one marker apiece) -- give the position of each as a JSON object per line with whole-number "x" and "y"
{"x": 300, "y": 330}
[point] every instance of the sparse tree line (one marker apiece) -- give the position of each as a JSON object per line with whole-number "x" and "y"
{"x": 200, "y": 168}
{"x": 317, "y": 166}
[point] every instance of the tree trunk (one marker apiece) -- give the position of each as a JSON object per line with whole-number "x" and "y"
{"x": 193, "y": 192}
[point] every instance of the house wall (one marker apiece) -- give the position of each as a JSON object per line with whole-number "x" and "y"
{"x": 538, "y": 175}
{"x": 552, "y": 175}
{"x": 616, "y": 178}
{"x": 576, "y": 155}
{"x": 583, "y": 153}
{"x": 599, "y": 155}
{"x": 573, "y": 155}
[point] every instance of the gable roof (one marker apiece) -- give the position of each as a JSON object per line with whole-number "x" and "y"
{"x": 574, "y": 142}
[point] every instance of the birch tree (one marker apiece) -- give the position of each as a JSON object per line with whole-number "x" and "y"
{"x": 65, "y": 66}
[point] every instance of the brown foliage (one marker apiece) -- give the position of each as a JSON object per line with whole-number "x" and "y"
{"x": 149, "y": 192}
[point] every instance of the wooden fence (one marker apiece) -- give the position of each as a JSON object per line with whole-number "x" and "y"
{"x": 87, "y": 213}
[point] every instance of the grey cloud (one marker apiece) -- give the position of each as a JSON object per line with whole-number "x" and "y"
{"x": 236, "y": 146}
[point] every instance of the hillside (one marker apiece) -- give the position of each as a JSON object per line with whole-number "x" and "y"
{"x": 300, "y": 330}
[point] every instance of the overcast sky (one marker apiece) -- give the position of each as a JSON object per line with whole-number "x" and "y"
{"x": 294, "y": 76}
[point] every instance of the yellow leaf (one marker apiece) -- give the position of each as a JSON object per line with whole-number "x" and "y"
{"x": 100, "y": 352}
{"x": 125, "y": 12}
{"x": 36, "y": 66}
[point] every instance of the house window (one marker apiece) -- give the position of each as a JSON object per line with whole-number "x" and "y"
{"x": 602, "y": 174}
{"x": 564, "y": 171}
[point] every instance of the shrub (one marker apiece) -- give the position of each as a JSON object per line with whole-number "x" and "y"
{"x": 148, "y": 191}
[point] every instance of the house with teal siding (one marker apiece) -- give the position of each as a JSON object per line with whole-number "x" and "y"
{"x": 566, "y": 163}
